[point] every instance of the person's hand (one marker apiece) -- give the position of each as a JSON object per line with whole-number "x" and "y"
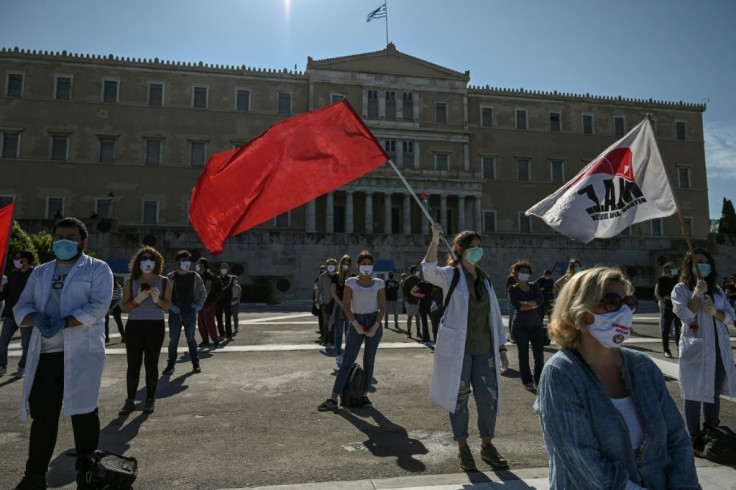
{"x": 141, "y": 296}
{"x": 436, "y": 232}
{"x": 372, "y": 331}
{"x": 47, "y": 326}
{"x": 316, "y": 304}
{"x": 41, "y": 321}
{"x": 155, "y": 295}
{"x": 504, "y": 361}
{"x": 196, "y": 306}
{"x": 174, "y": 309}
{"x": 701, "y": 287}
{"x": 358, "y": 327}
{"x": 709, "y": 307}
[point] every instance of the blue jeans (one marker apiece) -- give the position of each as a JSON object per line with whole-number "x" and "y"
{"x": 9, "y": 328}
{"x": 395, "y": 308}
{"x": 525, "y": 336}
{"x": 340, "y": 325}
{"x": 352, "y": 347}
{"x": 480, "y": 373}
{"x": 711, "y": 411}
{"x": 189, "y": 320}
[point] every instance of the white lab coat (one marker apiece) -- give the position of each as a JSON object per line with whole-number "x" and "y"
{"x": 450, "y": 348}
{"x": 697, "y": 364}
{"x": 86, "y": 296}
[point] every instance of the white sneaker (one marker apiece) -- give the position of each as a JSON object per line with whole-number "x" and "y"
{"x": 20, "y": 373}
{"x": 338, "y": 360}
{"x": 3, "y": 370}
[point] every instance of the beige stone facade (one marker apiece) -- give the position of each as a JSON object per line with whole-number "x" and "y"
{"x": 126, "y": 139}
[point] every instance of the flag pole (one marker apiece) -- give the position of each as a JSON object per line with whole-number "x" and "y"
{"x": 685, "y": 231}
{"x": 4, "y": 257}
{"x": 422, "y": 207}
{"x": 385, "y": 4}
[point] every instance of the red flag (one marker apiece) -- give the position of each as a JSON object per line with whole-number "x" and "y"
{"x": 292, "y": 162}
{"x": 6, "y": 225}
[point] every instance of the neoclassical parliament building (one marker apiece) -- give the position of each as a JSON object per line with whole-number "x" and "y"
{"x": 120, "y": 142}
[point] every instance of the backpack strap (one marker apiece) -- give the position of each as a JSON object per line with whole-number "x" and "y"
{"x": 453, "y": 284}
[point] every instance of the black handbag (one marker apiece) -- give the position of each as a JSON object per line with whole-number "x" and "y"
{"x": 113, "y": 471}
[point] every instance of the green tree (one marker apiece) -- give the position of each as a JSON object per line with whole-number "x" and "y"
{"x": 43, "y": 242}
{"x": 728, "y": 218}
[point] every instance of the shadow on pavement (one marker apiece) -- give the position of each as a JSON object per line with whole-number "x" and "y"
{"x": 387, "y": 439}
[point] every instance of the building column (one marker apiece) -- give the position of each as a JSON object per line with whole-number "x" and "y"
{"x": 348, "y": 211}
{"x": 312, "y": 216}
{"x": 330, "y": 213}
{"x": 387, "y": 213}
{"x": 460, "y": 213}
{"x": 369, "y": 212}
{"x": 443, "y": 212}
{"x": 407, "y": 214}
{"x": 478, "y": 215}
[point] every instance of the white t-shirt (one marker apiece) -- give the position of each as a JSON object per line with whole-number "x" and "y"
{"x": 365, "y": 299}
{"x": 627, "y": 407}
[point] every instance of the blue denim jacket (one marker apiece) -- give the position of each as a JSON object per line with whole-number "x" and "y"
{"x": 587, "y": 438}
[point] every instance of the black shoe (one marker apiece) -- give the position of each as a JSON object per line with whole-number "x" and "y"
{"x": 668, "y": 354}
{"x": 365, "y": 401}
{"x": 128, "y": 407}
{"x": 490, "y": 455}
{"x": 32, "y": 482}
{"x": 465, "y": 457}
{"x": 217, "y": 344}
{"x": 204, "y": 344}
{"x": 85, "y": 474}
{"x": 230, "y": 339}
{"x": 169, "y": 368}
{"x": 328, "y": 404}
{"x": 148, "y": 407}
{"x": 195, "y": 368}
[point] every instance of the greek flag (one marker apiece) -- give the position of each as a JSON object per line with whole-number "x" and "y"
{"x": 379, "y": 13}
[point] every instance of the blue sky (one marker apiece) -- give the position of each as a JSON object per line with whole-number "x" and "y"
{"x": 674, "y": 50}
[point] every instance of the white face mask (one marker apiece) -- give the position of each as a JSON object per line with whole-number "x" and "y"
{"x": 612, "y": 329}
{"x": 223, "y": 272}
{"x": 184, "y": 265}
{"x": 147, "y": 265}
{"x": 18, "y": 264}
{"x": 417, "y": 274}
{"x": 366, "y": 269}
{"x": 197, "y": 267}
{"x": 345, "y": 267}
{"x": 330, "y": 268}
{"x": 523, "y": 276}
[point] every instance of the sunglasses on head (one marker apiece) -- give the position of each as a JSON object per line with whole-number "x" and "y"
{"x": 613, "y": 302}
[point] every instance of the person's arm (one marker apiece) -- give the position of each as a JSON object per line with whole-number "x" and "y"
{"x": 681, "y": 298}
{"x": 163, "y": 302}
{"x": 200, "y": 292}
{"x": 333, "y": 293}
{"x": 208, "y": 286}
{"x": 381, "y": 305}
{"x": 25, "y": 308}
{"x": 559, "y": 283}
{"x": 515, "y": 294}
{"x": 416, "y": 291}
{"x": 347, "y": 297}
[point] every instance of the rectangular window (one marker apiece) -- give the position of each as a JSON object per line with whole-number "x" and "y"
{"x": 525, "y": 223}
{"x": 626, "y": 231}
{"x": 555, "y": 121}
{"x": 680, "y": 130}
{"x": 391, "y": 106}
{"x": 284, "y": 107}
{"x": 390, "y": 147}
{"x": 153, "y": 152}
{"x": 63, "y": 88}
{"x": 59, "y": 148}
{"x": 657, "y": 227}
{"x": 523, "y": 172}
{"x": 489, "y": 221}
{"x": 282, "y": 220}
{"x": 54, "y": 207}
{"x": 242, "y": 100}
{"x": 155, "y": 94}
{"x": 407, "y": 154}
{"x": 521, "y": 122}
{"x": 103, "y": 207}
{"x": 588, "y": 123}
{"x": 14, "y": 85}
{"x": 486, "y": 117}
{"x": 619, "y": 126}
{"x": 107, "y": 150}
{"x": 488, "y": 167}
{"x": 683, "y": 177}
{"x": 197, "y": 152}
{"x": 150, "y": 212}
{"x": 199, "y": 97}
{"x": 408, "y": 108}
{"x": 336, "y": 98}
{"x": 442, "y": 161}
{"x": 110, "y": 91}
{"x": 440, "y": 112}
{"x": 373, "y": 103}
{"x": 556, "y": 171}
{"x": 11, "y": 144}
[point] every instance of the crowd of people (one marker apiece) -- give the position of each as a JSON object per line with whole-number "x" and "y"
{"x": 599, "y": 404}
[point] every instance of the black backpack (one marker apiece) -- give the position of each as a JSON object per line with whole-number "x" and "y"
{"x": 114, "y": 472}
{"x": 352, "y": 394}
{"x": 716, "y": 443}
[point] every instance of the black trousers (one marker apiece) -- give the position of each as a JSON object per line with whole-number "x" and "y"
{"x": 223, "y": 308}
{"x": 143, "y": 338}
{"x": 45, "y": 400}
{"x": 118, "y": 320}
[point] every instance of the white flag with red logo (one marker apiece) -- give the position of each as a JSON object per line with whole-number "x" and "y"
{"x": 624, "y": 185}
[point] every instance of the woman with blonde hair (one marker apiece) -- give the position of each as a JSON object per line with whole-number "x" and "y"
{"x": 606, "y": 413}
{"x": 146, "y": 299}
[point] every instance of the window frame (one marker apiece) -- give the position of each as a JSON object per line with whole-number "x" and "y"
{"x": 689, "y": 222}
{"x": 3, "y": 200}
{"x": 206, "y": 88}
{"x": 192, "y": 143}
{"x": 279, "y": 94}
{"x": 404, "y": 105}
{"x": 438, "y": 154}
{"x": 583, "y": 115}
{"x": 48, "y": 202}
{"x": 552, "y": 163}
{"x": 528, "y": 169}
{"x": 482, "y": 119}
{"x": 333, "y": 100}
{"x": 526, "y": 218}
{"x": 437, "y": 106}
{"x": 494, "y": 213}
{"x": 492, "y": 159}
{"x": 689, "y": 185}
{"x": 143, "y": 211}
{"x": 386, "y": 105}
{"x": 54, "y": 137}
{"x": 115, "y": 80}
{"x": 678, "y": 123}
{"x": 17, "y": 144}
{"x": 10, "y": 73}
{"x": 374, "y": 106}
{"x": 275, "y": 222}
{"x": 163, "y": 93}
{"x": 236, "y": 99}
{"x": 661, "y": 227}
{"x": 98, "y": 201}
{"x": 404, "y": 144}
{"x": 160, "y": 142}
{"x": 559, "y": 121}
{"x": 106, "y": 138}
{"x": 517, "y": 112}
{"x": 623, "y": 126}
{"x": 391, "y": 152}
{"x": 57, "y": 77}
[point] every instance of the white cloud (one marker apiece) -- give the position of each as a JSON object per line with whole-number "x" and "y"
{"x": 720, "y": 150}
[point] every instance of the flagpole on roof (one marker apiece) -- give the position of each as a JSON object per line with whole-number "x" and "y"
{"x": 421, "y": 206}
{"x": 385, "y": 4}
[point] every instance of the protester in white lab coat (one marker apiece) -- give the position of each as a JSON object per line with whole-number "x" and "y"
{"x": 706, "y": 362}
{"x": 64, "y": 302}
{"x": 470, "y": 348}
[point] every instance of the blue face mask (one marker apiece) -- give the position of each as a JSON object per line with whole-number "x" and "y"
{"x": 674, "y": 271}
{"x": 704, "y": 270}
{"x": 473, "y": 255}
{"x": 65, "y": 249}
